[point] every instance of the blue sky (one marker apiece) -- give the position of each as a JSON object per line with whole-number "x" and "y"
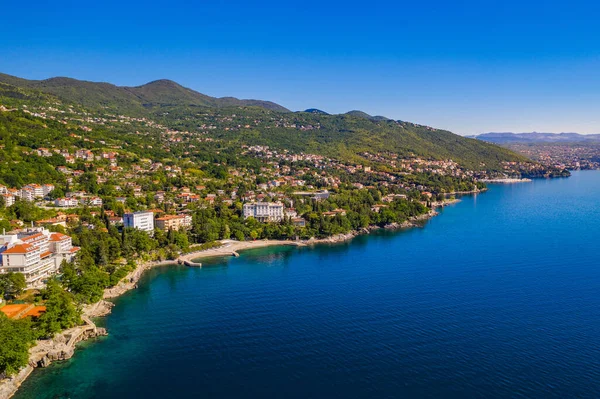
{"x": 467, "y": 66}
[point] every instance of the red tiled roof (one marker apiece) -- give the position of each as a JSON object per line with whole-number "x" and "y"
{"x": 32, "y": 237}
{"x": 45, "y": 254}
{"x": 58, "y": 237}
{"x": 19, "y": 249}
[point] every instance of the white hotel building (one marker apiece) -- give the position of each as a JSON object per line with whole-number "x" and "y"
{"x": 140, "y": 220}
{"x": 264, "y": 211}
{"x": 36, "y": 252}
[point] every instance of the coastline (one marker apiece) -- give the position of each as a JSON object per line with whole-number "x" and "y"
{"x": 62, "y": 345}
{"x": 507, "y": 180}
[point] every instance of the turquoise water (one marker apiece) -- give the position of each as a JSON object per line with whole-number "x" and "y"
{"x": 499, "y": 296}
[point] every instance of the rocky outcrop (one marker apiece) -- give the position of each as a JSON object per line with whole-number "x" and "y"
{"x": 333, "y": 239}
{"x": 99, "y": 309}
{"x": 62, "y": 346}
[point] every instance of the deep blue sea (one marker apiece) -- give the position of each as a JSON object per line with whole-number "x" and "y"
{"x": 497, "y": 297}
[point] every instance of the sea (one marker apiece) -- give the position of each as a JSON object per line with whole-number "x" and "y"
{"x": 496, "y": 297}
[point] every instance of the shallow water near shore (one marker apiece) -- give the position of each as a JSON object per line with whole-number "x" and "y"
{"x": 498, "y": 296}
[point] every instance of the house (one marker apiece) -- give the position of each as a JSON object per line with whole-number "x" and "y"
{"x": 159, "y": 196}
{"x": 291, "y": 213}
{"x": 378, "y": 207}
{"x": 52, "y": 222}
{"x": 335, "y": 212}
{"x": 114, "y": 220}
{"x": 299, "y": 222}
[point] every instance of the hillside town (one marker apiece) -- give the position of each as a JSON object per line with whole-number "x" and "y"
{"x": 572, "y": 156}
{"x": 89, "y": 200}
{"x": 107, "y": 185}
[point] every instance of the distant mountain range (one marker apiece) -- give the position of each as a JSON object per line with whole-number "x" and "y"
{"x": 159, "y": 93}
{"x": 535, "y": 137}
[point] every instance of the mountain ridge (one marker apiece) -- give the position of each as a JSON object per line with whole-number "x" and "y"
{"x": 157, "y": 93}
{"x": 254, "y": 122}
{"x": 535, "y": 137}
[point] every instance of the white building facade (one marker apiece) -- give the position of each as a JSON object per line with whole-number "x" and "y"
{"x": 140, "y": 220}
{"x": 37, "y": 253}
{"x": 264, "y": 211}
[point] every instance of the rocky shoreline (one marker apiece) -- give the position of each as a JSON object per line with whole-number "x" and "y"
{"x": 62, "y": 346}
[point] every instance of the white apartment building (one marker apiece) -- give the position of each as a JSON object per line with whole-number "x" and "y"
{"x": 31, "y": 191}
{"x": 37, "y": 253}
{"x": 140, "y": 220}
{"x": 47, "y": 188}
{"x": 27, "y": 194}
{"x": 66, "y": 202}
{"x": 8, "y": 199}
{"x": 264, "y": 211}
{"x": 91, "y": 201}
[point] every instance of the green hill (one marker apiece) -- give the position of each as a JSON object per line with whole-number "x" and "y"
{"x": 156, "y": 94}
{"x": 343, "y": 136}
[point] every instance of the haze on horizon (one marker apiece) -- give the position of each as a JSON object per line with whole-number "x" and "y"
{"x": 467, "y": 67}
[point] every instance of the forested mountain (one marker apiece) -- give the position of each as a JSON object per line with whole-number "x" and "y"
{"x": 343, "y": 136}
{"x": 156, "y": 94}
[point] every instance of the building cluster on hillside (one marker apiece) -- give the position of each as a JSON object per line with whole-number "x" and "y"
{"x": 161, "y": 177}
{"x": 573, "y": 156}
{"x": 29, "y": 192}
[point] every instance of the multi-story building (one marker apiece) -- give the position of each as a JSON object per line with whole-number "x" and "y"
{"x": 264, "y": 211}
{"x": 66, "y": 202}
{"x": 91, "y": 201}
{"x": 36, "y": 191}
{"x": 174, "y": 222}
{"x": 27, "y": 194}
{"x": 47, "y": 188}
{"x": 8, "y": 199}
{"x": 140, "y": 220}
{"x": 36, "y": 252}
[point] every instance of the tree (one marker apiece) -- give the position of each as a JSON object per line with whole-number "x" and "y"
{"x": 12, "y": 284}
{"x": 16, "y": 337}
{"x": 60, "y": 313}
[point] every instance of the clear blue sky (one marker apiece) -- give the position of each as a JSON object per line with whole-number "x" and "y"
{"x": 468, "y": 66}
